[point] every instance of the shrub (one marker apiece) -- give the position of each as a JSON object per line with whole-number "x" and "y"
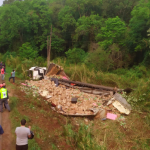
{"x": 8, "y": 55}
{"x": 26, "y": 51}
{"x": 40, "y": 61}
{"x": 75, "y": 55}
{"x": 99, "y": 59}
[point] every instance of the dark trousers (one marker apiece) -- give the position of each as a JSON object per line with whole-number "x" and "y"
{"x": 13, "y": 79}
{"x": 22, "y": 147}
{"x": 5, "y": 103}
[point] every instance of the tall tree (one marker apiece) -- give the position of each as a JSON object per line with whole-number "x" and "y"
{"x": 113, "y": 31}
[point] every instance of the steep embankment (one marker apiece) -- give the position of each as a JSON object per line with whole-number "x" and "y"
{"x": 54, "y": 131}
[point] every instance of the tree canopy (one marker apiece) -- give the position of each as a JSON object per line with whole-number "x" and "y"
{"x": 117, "y": 29}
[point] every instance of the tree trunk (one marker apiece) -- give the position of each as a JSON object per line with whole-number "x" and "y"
{"x": 47, "y": 51}
{"x": 49, "y": 47}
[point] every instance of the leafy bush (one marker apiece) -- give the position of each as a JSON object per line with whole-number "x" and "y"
{"x": 75, "y": 55}
{"x": 120, "y": 71}
{"x": 26, "y": 51}
{"x": 99, "y": 59}
{"x": 8, "y": 54}
{"x": 40, "y": 61}
{"x": 137, "y": 72}
{"x": 132, "y": 100}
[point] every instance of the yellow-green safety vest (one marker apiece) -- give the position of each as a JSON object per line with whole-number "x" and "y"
{"x": 3, "y": 92}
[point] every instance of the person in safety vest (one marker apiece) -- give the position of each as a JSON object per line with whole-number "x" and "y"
{"x": 4, "y": 98}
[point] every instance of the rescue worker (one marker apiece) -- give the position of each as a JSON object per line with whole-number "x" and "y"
{"x": 4, "y": 98}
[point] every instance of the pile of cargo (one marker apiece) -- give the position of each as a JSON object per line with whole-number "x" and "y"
{"x": 77, "y": 98}
{"x": 86, "y": 104}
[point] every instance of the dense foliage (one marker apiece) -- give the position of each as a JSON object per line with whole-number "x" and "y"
{"x": 103, "y": 34}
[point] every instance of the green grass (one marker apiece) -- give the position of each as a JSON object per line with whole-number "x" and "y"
{"x": 82, "y": 139}
{"x": 16, "y": 117}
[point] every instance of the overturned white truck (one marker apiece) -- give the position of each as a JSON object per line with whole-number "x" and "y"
{"x": 37, "y": 73}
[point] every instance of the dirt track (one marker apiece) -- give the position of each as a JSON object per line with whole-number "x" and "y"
{"x": 7, "y": 143}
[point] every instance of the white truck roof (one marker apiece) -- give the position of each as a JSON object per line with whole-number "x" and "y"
{"x": 32, "y": 68}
